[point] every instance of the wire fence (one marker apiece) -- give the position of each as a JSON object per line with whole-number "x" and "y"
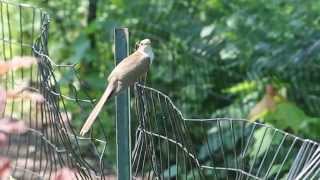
{"x": 50, "y": 143}
{"x": 229, "y": 148}
{"x": 164, "y": 146}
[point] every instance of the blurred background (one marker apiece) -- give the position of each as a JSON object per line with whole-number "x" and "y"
{"x": 214, "y": 58}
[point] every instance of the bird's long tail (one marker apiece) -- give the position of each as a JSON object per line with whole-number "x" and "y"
{"x": 94, "y": 113}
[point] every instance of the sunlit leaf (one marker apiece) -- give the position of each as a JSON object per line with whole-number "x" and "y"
{"x": 241, "y": 87}
{"x": 229, "y": 52}
{"x": 207, "y": 30}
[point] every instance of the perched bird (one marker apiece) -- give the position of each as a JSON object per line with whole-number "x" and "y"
{"x": 266, "y": 104}
{"x": 122, "y": 76}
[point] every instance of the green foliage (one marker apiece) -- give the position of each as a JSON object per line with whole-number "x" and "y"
{"x": 241, "y": 87}
{"x": 213, "y": 57}
{"x": 263, "y": 140}
{"x": 291, "y": 118}
{"x": 229, "y": 139}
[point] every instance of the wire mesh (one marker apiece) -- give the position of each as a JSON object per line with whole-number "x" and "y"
{"x": 221, "y": 148}
{"x": 50, "y": 143}
{"x": 165, "y": 147}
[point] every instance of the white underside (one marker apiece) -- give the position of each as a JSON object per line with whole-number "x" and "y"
{"x": 147, "y": 52}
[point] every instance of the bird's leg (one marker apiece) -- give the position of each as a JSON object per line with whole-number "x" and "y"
{"x": 143, "y": 79}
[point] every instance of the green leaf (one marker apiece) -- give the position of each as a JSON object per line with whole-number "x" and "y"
{"x": 207, "y": 31}
{"x": 287, "y": 115}
{"x": 241, "y": 87}
{"x": 259, "y": 148}
{"x": 229, "y": 52}
{"x": 229, "y": 139}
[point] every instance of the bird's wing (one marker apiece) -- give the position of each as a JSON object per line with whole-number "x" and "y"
{"x": 94, "y": 113}
{"x": 262, "y": 108}
{"x": 131, "y": 68}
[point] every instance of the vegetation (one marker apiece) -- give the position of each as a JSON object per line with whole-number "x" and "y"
{"x": 213, "y": 57}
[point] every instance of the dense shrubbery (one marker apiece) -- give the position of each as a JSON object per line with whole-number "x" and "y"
{"x": 213, "y": 57}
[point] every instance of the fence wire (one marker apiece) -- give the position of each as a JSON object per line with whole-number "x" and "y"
{"x": 50, "y": 143}
{"x": 164, "y": 146}
{"x": 221, "y": 148}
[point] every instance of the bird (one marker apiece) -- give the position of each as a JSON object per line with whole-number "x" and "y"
{"x": 266, "y": 104}
{"x": 125, "y": 74}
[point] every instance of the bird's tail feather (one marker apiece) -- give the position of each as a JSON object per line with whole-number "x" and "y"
{"x": 94, "y": 113}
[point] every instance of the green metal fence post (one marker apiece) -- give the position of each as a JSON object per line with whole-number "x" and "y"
{"x": 121, "y": 41}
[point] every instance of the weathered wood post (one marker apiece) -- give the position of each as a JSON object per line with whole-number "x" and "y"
{"x": 121, "y": 42}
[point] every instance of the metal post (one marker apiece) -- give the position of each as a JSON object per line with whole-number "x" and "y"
{"x": 121, "y": 40}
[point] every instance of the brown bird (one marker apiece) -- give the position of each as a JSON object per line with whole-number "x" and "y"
{"x": 265, "y": 105}
{"x": 122, "y": 76}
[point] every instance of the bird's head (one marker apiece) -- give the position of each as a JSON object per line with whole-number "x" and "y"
{"x": 270, "y": 90}
{"x": 144, "y": 46}
{"x": 145, "y": 42}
